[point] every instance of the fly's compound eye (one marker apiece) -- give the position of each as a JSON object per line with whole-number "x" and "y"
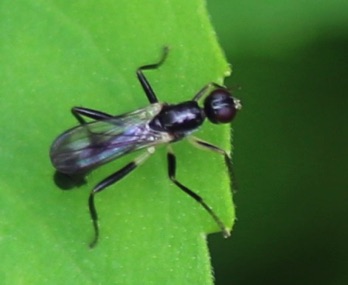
{"x": 220, "y": 107}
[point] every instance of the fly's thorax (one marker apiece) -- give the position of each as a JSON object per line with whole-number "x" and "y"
{"x": 180, "y": 119}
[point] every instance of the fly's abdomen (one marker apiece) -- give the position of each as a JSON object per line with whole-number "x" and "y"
{"x": 84, "y": 148}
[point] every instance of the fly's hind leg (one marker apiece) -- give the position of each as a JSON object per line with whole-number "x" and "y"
{"x": 80, "y": 112}
{"x": 108, "y": 181}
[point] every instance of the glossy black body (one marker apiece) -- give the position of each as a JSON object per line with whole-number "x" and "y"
{"x": 179, "y": 120}
{"x": 107, "y": 137}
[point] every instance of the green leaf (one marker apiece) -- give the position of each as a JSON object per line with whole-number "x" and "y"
{"x": 59, "y": 54}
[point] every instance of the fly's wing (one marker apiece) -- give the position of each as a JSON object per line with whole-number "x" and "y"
{"x": 85, "y": 147}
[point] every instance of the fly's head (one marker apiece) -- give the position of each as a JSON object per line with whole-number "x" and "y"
{"x": 220, "y": 107}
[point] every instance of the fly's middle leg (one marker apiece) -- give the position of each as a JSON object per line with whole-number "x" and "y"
{"x": 172, "y": 175}
{"x": 150, "y": 94}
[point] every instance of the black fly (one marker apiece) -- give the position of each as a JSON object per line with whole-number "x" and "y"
{"x": 92, "y": 144}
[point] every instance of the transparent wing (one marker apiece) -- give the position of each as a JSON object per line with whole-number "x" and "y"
{"x": 84, "y": 148}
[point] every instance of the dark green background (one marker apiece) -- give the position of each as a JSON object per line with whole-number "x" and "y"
{"x": 290, "y": 142}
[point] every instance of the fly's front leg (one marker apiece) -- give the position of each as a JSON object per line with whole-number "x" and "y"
{"x": 112, "y": 179}
{"x": 172, "y": 175}
{"x": 208, "y": 146}
{"x": 204, "y": 90}
{"x": 150, "y": 94}
{"x": 79, "y": 112}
